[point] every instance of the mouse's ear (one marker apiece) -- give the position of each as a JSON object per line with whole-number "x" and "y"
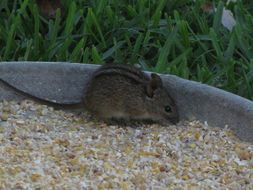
{"x": 153, "y": 84}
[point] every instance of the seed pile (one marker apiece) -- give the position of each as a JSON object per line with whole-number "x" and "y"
{"x": 43, "y": 148}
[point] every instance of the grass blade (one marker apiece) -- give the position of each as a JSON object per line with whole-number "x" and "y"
{"x": 217, "y": 17}
{"x": 86, "y": 55}
{"x": 157, "y": 15}
{"x": 70, "y": 19}
{"x": 74, "y": 57}
{"x": 94, "y": 20}
{"x": 215, "y": 43}
{"x": 96, "y": 57}
{"x": 162, "y": 59}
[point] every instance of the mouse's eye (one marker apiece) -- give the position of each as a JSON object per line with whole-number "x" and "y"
{"x": 167, "y": 108}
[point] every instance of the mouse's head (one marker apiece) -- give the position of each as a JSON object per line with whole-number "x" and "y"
{"x": 159, "y": 103}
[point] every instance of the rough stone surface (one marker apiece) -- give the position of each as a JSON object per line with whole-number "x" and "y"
{"x": 65, "y": 83}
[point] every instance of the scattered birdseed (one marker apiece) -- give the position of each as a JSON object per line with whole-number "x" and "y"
{"x": 43, "y": 148}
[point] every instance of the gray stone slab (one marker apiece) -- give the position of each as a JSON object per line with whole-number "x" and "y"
{"x": 61, "y": 82}
{"x": 65, "y": 83}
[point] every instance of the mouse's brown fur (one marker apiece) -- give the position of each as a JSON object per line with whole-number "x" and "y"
{"x": 121, "y": 91}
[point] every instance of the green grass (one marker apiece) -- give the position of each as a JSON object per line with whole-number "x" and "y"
{"x": 174, "y": 37}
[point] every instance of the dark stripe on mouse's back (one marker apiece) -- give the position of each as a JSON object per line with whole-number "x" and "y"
{"x": 123, "y": 70}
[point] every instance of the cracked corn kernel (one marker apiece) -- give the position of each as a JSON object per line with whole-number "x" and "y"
{"x": 192, "y": 145}
{"x": 20, "y": 122}
{"x": 185, "y": 177}
{"x": 36, "y": 177}
{"x": 125, "y": 185}
{"x": 150, "y": 154}
{"x": 243, "y": 155}
{"x": 43, "y": 148}
{"x": 4, "y": 116}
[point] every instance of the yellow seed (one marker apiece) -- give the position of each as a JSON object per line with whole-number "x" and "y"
{"x": 36, "y": 177}
{"x": 197, "y": 135}
{"x": 4, "y": 116}
{"x": 130, "y": 163}
{"x": 150, "y": 154}
{"x": 107, "y": 166}
{"x": 20, "y": 122}
{"x": 192, "y": 145}
{"x": 185, "y": 177}
{"x": 243, "y": 155}
{"x": 157, "y": 170}
{"x": 1, "y": 170}
{"x": 125, "y": 185}
{"x": 74, "y": 161}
